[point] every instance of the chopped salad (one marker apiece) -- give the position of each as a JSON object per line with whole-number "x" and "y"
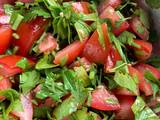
{"x": 77, "y": 60}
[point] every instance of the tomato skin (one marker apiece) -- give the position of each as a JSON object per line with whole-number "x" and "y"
{"x": 29, "y": 32}
{"x": 111, "y": 14}
{"x": 135, "y": 23}
{"x": 9, "y": 67}
{"x": 112, "y": 57}
{"x": 70, "y": 52}
{"x": 2, "y": 2}
{"x": 145, "y": 50}
{"x": 4, "y": 84}
{"x": 144, "y": 67}
{"x": 144, "y": 85}
{"x": 125, "y": 112}
{"x": 99, "y": 97}
{"x": 81, "y": 7}
{"x": 105, "y": 3}
{"x": 5, "y": 36}
{"x": 48, "y": 44}
{"x": 93, "y": 50}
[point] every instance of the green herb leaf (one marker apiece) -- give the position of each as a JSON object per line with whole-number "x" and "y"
{"x": 83, "y": 115}
{"x": 28, "y": 80}
{"x": 142, "y": 112}
{"x": 44, "y": 63}
{"x": 155, "y": 83}
{"x": 51, "y": 88}
{"x": 71, "y": 83}
{"x": 81, "y": 74}
{"x": 23, "y": 63}
{"x": 14, "y": 97}
{"x": 82, "y": 29}
{"x": 123, "y": 79}
{"x": 15, "y": 20}
{"x": 118, "y": 45}
{"x": 127, "y": 39}
{"x": 100, "y": 34}
{"x": 144, "y": 18}
{"x": 66, "y": 108}
{"x": 41, "y": 112}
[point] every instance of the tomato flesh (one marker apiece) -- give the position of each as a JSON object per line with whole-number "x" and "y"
{"x": 145, "y": 50}
{"x": 105, "y": 3}
{"x": 111, "y": 14}
{"x": 29, "y": 32}
{"x": 93, "y": 50}
{"x": 48, "y": 44}
{"x": 81, "y": 7}
{"x": 112, "y": 57}
{"x": 139, "y": 28}
{"x": 84, "y": 62}
{"x": 5, "y": 37}
{"x": 9, "y": 67}
{"x": 144, "y": 85}
{"x": 69, "y": 53}
{"x": 100, "y": 97}
{"x": 125, "y": 112}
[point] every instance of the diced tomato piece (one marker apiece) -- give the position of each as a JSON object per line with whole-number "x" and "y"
{"x": 2, "y": 2}
{"x": 4, "y": 84}
{"x": 145, "y": 50}
{"x": 106, "y": 3}
{"x": 104, "y": 100}
{"x": 48, "y": 44}
{"x": 122, "y": 91}
{"x": 8, "y": 65}
{"x": 125, "y": 112}
{"x": 112, "y": 57}
{"x": 138, "y": 27}
{"x": 5, "y": 37}
{"x": 145, "y": 67}
{"x": 27, "y": 112}
{"x": 144, "y": 85}
{"x": 81, "y": 7}
{"x": 29, "y": 32}
{"x": 84, "y": 62}
{"x": 93, "y": 50}
{"x": 111, "y": 14}
{"x": 69, "y": 53}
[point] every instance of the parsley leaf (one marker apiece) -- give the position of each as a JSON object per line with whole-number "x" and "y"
{"x": 82, "y": 29}
{"x": 127, "y": 39}
{"x": 155, "y": 83}
{"x": 123, "y": 79}
{"x": 51, "y": 88}
{"x": 45, "y": 63}
{"x": 28, "y": 80}
{"x": 142, "y": 112}
{"x": 15, "y": 104}
{"x": 67, "y": 107}
{"x": 23, "y": 63}
{"x": 71, "y": 83}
